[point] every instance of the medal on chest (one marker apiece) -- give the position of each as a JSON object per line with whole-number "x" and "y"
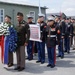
{"x": 53, "y": 29}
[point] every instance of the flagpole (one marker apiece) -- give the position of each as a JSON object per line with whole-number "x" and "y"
{"x": 39, "y": 8}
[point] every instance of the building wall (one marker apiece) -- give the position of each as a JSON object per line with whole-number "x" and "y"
{"x": 11, "y": 10}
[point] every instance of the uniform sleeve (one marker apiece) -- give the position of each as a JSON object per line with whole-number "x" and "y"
{"x": 47, "y": 30}
{"x": 71, "y": 30}
{"x": 43, "y": 34}
{"x": 63, "y": 29}
{"x": 44, "y": 27}
{"x": 27, "y": 28}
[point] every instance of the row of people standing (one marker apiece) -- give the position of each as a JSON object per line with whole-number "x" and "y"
{"x": 52, "y": 33}
{"x": 48, "y": 33}
{"x": 57, "y": 30}
{"x": 66, "y": 37}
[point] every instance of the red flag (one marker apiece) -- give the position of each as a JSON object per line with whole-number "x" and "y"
{"x": 2, "y": 48}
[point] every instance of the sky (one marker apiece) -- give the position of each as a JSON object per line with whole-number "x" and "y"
{"x": 55, "y": 6}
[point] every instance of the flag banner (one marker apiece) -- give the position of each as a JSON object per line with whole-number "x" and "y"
{"x": 35, "y": 32}
{"x": 2, "y": 47}
{"x": 6, "y": 49}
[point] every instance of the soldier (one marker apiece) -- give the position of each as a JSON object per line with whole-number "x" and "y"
{"x": 51, "y": 34}
{"x": 57, "y": 20}
{"x": 67, "y": 36}
{"x": 23, "y": 32}
{"x": 30, "y": 44}
{"x": 62, "y": 26}
{"x": 41, "y": 45}
{"x": 71, "y": 31}
{"x": 74, "y": 33}
{"x": 57, "y": 24}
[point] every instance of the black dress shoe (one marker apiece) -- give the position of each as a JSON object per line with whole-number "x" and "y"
{"x": 68, "y": 52}
{"x": 9, "y": 65}
{"x": 30, "y": 59}
{"x": 21, "y": 69}
{"x": 38, "y": 61}
{"x": 42, "y": 62}
{"x": 52, "y": 66}
{"x": 27, "y": 58}
{"x": 48, "y": 65}
{"x": 65, "y": 51}
{"x": 59, "y": 56}
{"x": 62, "y": 57}
{"x": 17, "y": 68}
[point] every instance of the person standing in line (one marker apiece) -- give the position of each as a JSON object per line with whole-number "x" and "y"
{"x": 30, "y": 44}
{"x": 41, "y": 45}
{"x": 51, "y": 34}
{"x": 62, "y": 27}
{"x": 67, "y": 36}
{"x": 23, "y": 33}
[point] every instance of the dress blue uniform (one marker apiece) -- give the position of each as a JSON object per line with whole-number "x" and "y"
{"x": 71, "y": 33}
{"x": 30, "y": 50}
{"x": 30, "y": 44}
{"x": 41, "y": 45}
{"x": 51, "y": 34}
{"x": 61, "y": 42}
{"x": 67, "y": 38}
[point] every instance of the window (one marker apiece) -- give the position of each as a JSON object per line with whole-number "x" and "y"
{"x": 32, "y": 13}
{"x": 1, "y": 15}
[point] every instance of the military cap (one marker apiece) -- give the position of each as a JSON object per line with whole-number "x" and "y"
{"x": 41, "y": 15}
{"x": 51, "y": 19}
{"x": 29, "y": 16}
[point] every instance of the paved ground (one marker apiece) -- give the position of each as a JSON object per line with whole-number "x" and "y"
{"x": 64, "y": 66}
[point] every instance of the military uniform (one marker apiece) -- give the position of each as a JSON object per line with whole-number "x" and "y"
{"x": 62, "y": 27}
{"x": 74, "y": 35}
{"x": 51, "y": 34}
{"x": 30, "y": 44}
{"x": 23, "y": 33}
{"x": 67, "y": 38}
{"x": 71, "y": 33}
{"x": 30, "y": 47}
{"x": 41, "y": 45}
